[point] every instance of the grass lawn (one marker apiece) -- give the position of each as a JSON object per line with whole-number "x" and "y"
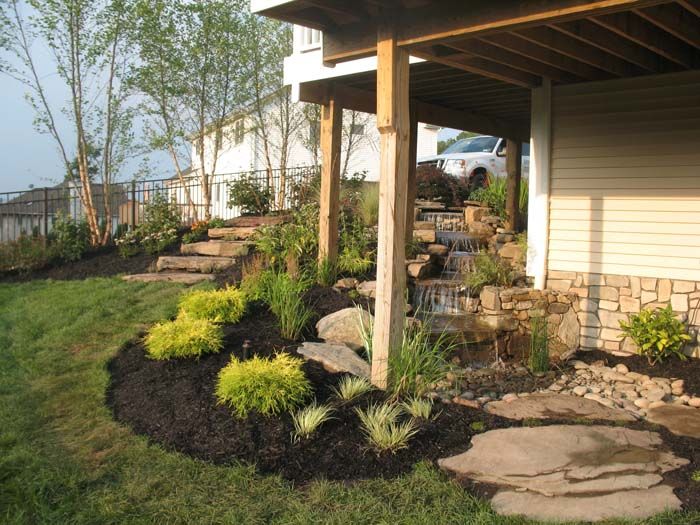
{"x": 63, "y": 460}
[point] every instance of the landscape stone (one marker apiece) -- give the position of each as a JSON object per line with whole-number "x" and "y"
{"x": 194, "y": 263}
{"x": 186, "y": 278}
{"x": 344, "y": 327}
{"x": 679, "y": 419}
{"x": 335, "y": 358}
{"x": 216, "y": 248}
{"x": 367, "y": 289}
{"x": 633, "y": 504}
{"x": 556, "y": 406}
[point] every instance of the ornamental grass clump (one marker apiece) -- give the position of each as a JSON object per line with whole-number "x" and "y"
{"x": 184, "y": 337}
{"x": 418, "y": 408}
{"x": 538, "y": 360}
{"x": 268, "y": 386}
{"x": 381, "y": 425}
{"x": 658, "y": 334}
{"x": 352, "y": 387}
{"x": 285, "y": 297}
{"x": 307, "y": 420}
{"x": 218, "y": 306}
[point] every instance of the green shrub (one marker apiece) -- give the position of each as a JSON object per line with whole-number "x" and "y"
{"x": 218, "y": 306}
{"x": 268, "y": 386}
{"x": 494, "y": 196}
{"x": 184, "y": 337}
{"x": 352, "y": 387}
{"x": 296, "y": 240}
{"x": 355, "y": 257}
{"x": 250, "y": 194}
{"x": 326, "y": 273}
{"x": 69, "y": 239}
{"x": 489, "y": 270}
{"x": 24, "y": 255}
{"x": 307, "y": 420}
{"x": 368, "y": 208}
{"x": 128, "y": 244}
{"x": 658, "y": 334}
{"x": 695, "y": 476}
{"x": 161, "y": 222}
{"x": 538, "y": 360}
{"x": 477, "y": 426}
{"x": 382, "y": 428}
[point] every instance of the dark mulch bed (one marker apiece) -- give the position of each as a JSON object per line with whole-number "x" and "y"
{"x": 325, "y": 300}
{"x": 688, "y": 370}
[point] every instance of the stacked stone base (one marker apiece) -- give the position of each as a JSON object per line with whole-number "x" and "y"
{"x": 605, "y": 300}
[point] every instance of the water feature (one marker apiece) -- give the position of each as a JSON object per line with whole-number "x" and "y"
{"x": 445, "y": 221}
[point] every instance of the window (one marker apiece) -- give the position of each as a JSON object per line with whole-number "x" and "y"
{"x": 309, "y": 39}
{"x": 238, "y": 131}
{"x": 474, "y": 145}
{"x": 357, "y": 129}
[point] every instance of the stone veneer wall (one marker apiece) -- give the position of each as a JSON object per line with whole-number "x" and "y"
{"x": 511, "y": 309}
{"x": 605, "y": 300}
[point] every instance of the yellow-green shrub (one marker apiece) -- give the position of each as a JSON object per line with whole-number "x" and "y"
{"x": 218, "y": 306}
{"x": 269, "y": 386}
{"x": 184, "y": 337}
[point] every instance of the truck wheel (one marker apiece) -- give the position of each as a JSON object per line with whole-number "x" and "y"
{"x": 480, "y": 179}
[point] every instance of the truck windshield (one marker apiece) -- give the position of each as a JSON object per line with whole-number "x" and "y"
{"x": 475, "y": 145}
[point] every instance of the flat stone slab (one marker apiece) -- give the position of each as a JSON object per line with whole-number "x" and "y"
{"x": 217, "y": 248}
{"x": 679, "y": 419}
{"x": 335, "y": 358}
{"x": 632, "y": 504}
{"x": 194, "y": 263}
{"x": 571, "y": 472}
{"x": 175, "y": 277}
{"x": 344, "y": 327}
{"x": 232, "y": 232}
{"x": 556, "y": 406}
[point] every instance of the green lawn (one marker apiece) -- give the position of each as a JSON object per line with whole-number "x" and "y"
{"x": 63, "y": 460}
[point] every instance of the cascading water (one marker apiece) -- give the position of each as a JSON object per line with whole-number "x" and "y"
{"x": 445, "y": 221}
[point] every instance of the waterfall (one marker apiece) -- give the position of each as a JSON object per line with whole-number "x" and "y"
{"x": 445, "y": 221}
{"x": 438, "y": 296}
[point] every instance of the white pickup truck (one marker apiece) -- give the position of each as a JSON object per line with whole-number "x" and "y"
{"x": 475, "y": 158}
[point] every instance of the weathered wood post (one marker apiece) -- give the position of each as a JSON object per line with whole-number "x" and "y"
{"x": 331, "y": 138}
{"x": 514, "y": 153}
{"x": 393, "y": 122}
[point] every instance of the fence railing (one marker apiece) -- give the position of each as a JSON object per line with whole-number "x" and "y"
{"x": 34, "y": 211}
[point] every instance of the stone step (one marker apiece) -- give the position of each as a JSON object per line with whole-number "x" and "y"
{"x": 428, "y": 236}
{"x": 256, "y": 221}
{"x": 232, "y": 232}
{"x": 171, "y": 277}
{"x": 217, "y": 248}
{"x": 194, "y": 263}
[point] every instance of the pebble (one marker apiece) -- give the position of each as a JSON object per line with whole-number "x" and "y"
{"x": 656, "y": 404}
{"x": 467, "y": 395}
{"x": 694, "y": 402}
{"x": 654, "y": 395}
{"x": 641, "y": 403}
{"x": 466, "y": 402}
{"x": 580, "y": 390}
{"x": 621, "y": 369}
{"x": 508, "y": 398}
{"x": 556, "y": 387}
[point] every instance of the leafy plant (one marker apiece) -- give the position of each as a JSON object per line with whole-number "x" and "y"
{"x": 69, "y": 239}
{"x": 489, "y": 270}
{"x": 355, "y": 257}
{"x": 382, "y": 428}
{"x": 284, "y": 295}
{"x": 251, "y": 194}
{"x": 433, "y": 184}
{"x": 268, "y": 386}
{"x": 477, "y": 426}
{"x": 368, "y": 207}
{"x": 494, "y": 196}
{"x": 538, "y": 360}
{"x": 307, "y": 420}
{"x": 161, "y": 222}
{"x": 658, "y": 334}
{"x": 296, "y": 240}
{"x": 183, "y": 337}
{"x": 198, "y": 230}
{"x": 695, "y": 476}
{"x": 418, "y": 408}
{"x": 218, "y": 306}
{"x": 326, "y": 273}
{"x": 25, "y": 254}
{"x": 352, "y": 387}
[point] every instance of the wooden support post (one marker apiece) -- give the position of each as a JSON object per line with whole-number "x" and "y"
{"x": 393, "y": 121}
{"x": 331, "y": 138}
{"x": 514, "y": 154}
{"x": 411, "y": 188}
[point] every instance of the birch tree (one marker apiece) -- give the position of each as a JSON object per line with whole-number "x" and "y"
{"x": 86, "y": 41}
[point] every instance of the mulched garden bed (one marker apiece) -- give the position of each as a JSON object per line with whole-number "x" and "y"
{"x": 688, "y": 370}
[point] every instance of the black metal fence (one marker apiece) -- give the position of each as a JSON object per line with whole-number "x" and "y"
{"x": 34, "y": 211}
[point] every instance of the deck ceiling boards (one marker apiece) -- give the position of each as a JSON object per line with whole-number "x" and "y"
{"x": 518, "y": 42}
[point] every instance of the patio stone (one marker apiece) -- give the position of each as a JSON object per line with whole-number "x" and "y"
{"x": 556, "y": 406}
{"x": 571, "y": 472}
{"x": 679, "y": 419}
{"x": 174, "y": 277}
{"x": 194, "y": 263}
{"x": 343, "y": 327}
{"x": 335, "y": 358}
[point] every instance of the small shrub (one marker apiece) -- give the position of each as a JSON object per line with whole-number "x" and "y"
{"x": 384, "y": 432}
{"x": 296, "y": 240}
{"x": 657, "y": 334}
{"x": 161, "y": 222}
{"x": 494, "y": 196}
{"x": 184, "y": 337}
{"x": 24, "y": 255}
{"x": 355, "y": 257}
{"x": 434, "y": 184}
{"x": 251, "y": 194}
{"x": 307, "y": 420}
{"x": 128, "y": 244}
{"x": 489, "y": 270}
{"x": 326, "y": 273}
{"x": 538, "y": 360}
{"x": 218, "y": 306}
{"x": 284, "y": 296}
{"x": 198, "y": 230}
{"x": 368, "y": 208}
{"x": 418, "y": 408}
{"x": 69, "y": 239}
{"x": 352, "y": 387}
{"x": 695, "y": 476}
{"x": 477, "y": 426}
{"x": 268, "y": 386}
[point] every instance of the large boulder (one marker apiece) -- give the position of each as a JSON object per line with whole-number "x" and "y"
{"x": 335, "y": 358}
{"x": 344, "y": 327}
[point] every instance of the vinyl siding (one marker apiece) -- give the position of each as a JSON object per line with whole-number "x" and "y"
{"x": 625, "y": 179}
